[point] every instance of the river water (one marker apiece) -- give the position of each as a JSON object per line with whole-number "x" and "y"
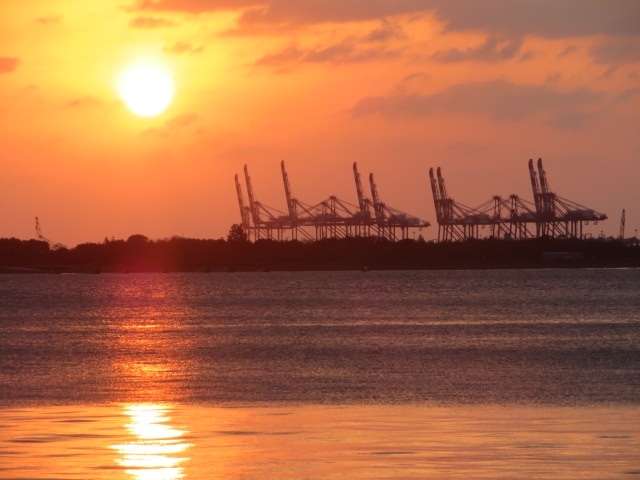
{"x": 398, "y": 374}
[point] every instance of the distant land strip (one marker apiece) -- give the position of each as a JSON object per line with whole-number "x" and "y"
{"x": 177, "y": 254}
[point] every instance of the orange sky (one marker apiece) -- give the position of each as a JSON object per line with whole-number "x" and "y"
{"x": 398, "y": 86}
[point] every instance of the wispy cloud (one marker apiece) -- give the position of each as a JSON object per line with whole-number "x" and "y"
{"x": 345, "y": 52}
{"x": 385, "y": 32}
{"x": 626, "y": 96}
{"x": 467, "y": 148}
{"x": 500, "y": 100}
{"x": 87, "y": 101}
{"x": 150, "y": 23}
{"x": 173, "y": 126}
{"x": 309, "y": 12}
{"x": 196, "y": 6}
{"x": 368, "y": 47}
{"x": 567, "y": 51}
{"x": 617, "y": 51}
{"x": 569, "y": 120}
{"x": 495, "y": 48}
{"x": 50, "y": 20}
{"x": 9, "y": 64}
{"x": 181, "y": 48}
{"x": 545, "y": 18}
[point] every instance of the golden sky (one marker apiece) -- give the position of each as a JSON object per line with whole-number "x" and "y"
{"x": 398, "y": 86}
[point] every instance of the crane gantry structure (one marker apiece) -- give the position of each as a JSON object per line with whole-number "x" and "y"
{"x": 330, "y": 218}
{"x": 548, "y": 216}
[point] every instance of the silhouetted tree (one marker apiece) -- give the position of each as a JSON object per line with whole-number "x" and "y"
{"x": 237, "y": 233}
{"x": 137, "y": 239}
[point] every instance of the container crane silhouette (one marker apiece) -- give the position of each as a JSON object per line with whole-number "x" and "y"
{"x": 556, "y": 216}
{"x": 40, "y": 236}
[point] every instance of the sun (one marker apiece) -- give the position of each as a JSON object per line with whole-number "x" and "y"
{"x": 146, "y": 88}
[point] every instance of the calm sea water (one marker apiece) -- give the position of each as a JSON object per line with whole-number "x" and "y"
{"x": 438, "y": 374}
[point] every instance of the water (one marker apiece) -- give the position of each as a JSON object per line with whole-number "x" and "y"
{"x": 439, "y": 374}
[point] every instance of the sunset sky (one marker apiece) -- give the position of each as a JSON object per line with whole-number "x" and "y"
{"x": 476, "y": 87}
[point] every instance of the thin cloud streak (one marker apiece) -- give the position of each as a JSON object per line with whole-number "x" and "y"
{"x": 173, "y": 126}
{"x": 9, "y": 64}
{"x": 501, "y": 101}
{"x": 617, "y": 51}
{"x": 150, "y": 23}
{"x": 494, "y": 49}
{"x": 544, "y": 18}
{"x": 51, "y": 20}
{"x": 195, "y": 6}
{"x": 365, "y": 48}
{"x": 87, "y": 101}
{"x": 182, "y": 48}
{"x": 340, "y": 53}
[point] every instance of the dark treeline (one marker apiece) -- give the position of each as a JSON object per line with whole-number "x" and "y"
{"x": 139, "y": 254}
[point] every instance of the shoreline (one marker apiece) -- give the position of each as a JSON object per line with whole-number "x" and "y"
{"x": 92, "y": 270}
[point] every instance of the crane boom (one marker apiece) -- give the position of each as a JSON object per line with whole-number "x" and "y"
{"x": 40, "y": 236}
{"x": 291, "y": 205}
{"x": 377, "y": 205}
{"x": 546, "y": 198}
{"x": 361, "y": 201}
{"x": 244, "y": 214}
{"x": 252, "y": 202}
{"x": 544, "y": 186}
{"x": 443, "y": 190}
{"x": 535, "y": 187}
{"x": 436, "y": 194}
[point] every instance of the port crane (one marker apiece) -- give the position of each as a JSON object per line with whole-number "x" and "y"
{"x": 391, "y": 220}
{"x": 512, "y": 218}
{"x": 40, "y": 236}
{"x": 457, "y": 221}
{"x": 330, "y": 218}
{"x": 556, "y": 216}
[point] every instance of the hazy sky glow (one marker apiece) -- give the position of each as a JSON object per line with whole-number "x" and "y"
{"x": 398, "y": 86}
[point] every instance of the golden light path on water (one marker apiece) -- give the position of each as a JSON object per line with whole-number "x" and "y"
{"x": 146, "y": 441}
{"x": 157, "y": 449}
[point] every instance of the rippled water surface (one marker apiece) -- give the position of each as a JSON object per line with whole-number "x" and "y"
{"x": 438, "y": 374}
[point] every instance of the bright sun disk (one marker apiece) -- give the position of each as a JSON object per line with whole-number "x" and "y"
{"x": 146, "y": 88}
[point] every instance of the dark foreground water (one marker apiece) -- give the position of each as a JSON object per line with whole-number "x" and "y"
{"x": 447, "y": 374}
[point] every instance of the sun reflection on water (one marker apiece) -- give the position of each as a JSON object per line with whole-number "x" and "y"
{"x": 156, "y": 451}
